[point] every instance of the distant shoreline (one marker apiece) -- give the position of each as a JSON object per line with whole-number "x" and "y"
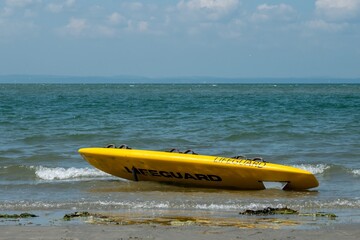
{"x": 171, "y": 80}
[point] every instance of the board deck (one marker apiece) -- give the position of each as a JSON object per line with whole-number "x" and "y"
{"x": 196, "y": 170}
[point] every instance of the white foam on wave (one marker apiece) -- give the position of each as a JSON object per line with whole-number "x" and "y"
{"x": 137, "y": 205}
{"x": 314, "y": 169}
{"x": 165, "y": 205}
{"x": 356, "y": 172}
{"x": 60, "y": 173}
{"x": 337, "y": 203}
{"x": 334, "y": 204}
{"x": 180, "y": 206}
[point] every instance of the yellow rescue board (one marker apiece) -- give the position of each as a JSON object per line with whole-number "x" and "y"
{"x": 196, "y": 170}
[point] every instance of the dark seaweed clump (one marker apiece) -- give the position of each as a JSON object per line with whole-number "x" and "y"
{"x": 70, "y": 216}
{"x": 270, "y": 211}
{"x": 285, "y": 210}
{"x": 16, "y": 216}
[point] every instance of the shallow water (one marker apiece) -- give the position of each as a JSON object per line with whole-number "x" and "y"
{"x": 313, "y": 127}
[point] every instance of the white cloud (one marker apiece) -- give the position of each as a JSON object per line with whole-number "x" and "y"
{"x": 322, "y": 25}
{"x": 69, "y": 3}
{"x": 209, "y": 4}
{"x": 338, "y": 9}
{"x": 133, "y": 5}
{"x": 6, "y": 12}
{"x": 18, "y": 3}
{"x": 281, "y": 12}
{"x": 281, "y": 8}
{"x": 140, "y": 26}
{"x": 75, "y": 27}
{"x": 213, "y": 8}
{"x": 59, "y": 7}
{"x": 116, "y": 18}
{"x": 143, "y": 26}
{"x": 15, "y": 18}
{"x": 19, "y": 9}
{"x": 55, "y": 8}
{"x": 79, "y": 27}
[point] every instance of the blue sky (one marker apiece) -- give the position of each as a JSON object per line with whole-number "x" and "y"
{"x": 175, "y": 38}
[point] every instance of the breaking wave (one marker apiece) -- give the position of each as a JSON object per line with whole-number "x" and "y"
{"x": 356, "y": 172}
{"x": 60, "y": 173}
{"x": 176, "y": 205}
{"x": 321, "y": 168}
{"x": 314, "y": 169}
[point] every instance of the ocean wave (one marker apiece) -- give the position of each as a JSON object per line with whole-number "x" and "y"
{"x": 335, "y": 204}
{"x": 356, "y": 172}
{"x": 230, "y": 206}
{"x": 321, "y": 168}
{"x": 60, "y": 173}
{"x": 314, "y": 169}
{"x": 22, "y": 172}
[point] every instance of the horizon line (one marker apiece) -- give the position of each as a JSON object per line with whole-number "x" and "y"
{"x": 48, "y": 78}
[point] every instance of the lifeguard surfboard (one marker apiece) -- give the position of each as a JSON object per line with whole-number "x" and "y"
{"x": 196, "y": 170}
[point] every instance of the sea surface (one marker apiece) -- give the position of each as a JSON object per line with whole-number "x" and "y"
{"x": 315, "y": 127}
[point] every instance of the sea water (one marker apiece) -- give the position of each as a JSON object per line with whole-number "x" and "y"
{"x": 312, "y": 127}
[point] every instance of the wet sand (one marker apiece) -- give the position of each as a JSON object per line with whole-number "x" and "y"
{"x": 150, "y": 231}
{"x": 85, "y": 225}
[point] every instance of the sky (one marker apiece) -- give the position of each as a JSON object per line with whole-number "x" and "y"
{"x": 181, "y": 38}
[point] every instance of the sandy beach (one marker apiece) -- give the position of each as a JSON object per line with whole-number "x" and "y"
{"x": 72, "y": 232}
{"x": 85, "y": 225}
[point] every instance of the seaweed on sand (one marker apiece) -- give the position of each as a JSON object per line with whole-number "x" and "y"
{"x": 16, "y": 216}
{"x": 270, "y": 211}
{"x": 287, "y": 211}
